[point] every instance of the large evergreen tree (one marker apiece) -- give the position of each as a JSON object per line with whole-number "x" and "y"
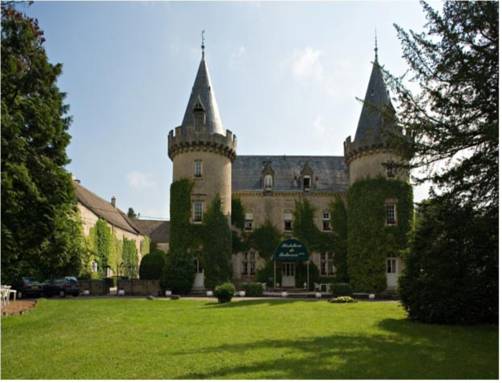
{"x": 453, "y": 120}
{"x": 217, "y": 246}
{"x": 41, "y": 234}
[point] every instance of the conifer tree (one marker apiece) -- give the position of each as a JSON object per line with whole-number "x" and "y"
{"x": 453, "y": 120}
{"x": 41, "y": 233}
{"x": 217, "y": 246}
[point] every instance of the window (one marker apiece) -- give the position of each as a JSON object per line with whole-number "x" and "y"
{"x": 198, "y": 211}
{"x": 288, "y": 221}
{"x": 248, "y": 222}
{"x": 268, "y": 181}
{"x": 248, "y": 263}
{"x": 391, "y": 266}
{"x": 326, "y": 220}
{"x": 390, "y": 214}
{"x": 306, "y": 182}
{"x": 391, "y": 171}
{"x": 94, "y": 266}
{"x": 327, "y": 267}
{"x": 197, "y": 168}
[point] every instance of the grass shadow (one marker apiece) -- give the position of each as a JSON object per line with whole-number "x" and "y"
{"x": 251, "y": 302}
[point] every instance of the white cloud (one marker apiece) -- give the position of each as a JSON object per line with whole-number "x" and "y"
{"x": 140, "y": 181}
{"x": 237, "y": 55}
{"x": 306, "y": 64}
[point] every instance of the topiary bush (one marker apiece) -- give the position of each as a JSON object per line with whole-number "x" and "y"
{"x": 152, "y": 264}
{"x": 342, "y": 289}
{"x": 224, "y": 292}
{"x": 253, "y": 289}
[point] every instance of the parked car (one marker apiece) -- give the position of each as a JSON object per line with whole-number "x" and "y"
{"x": 27, "y": 287}
{"x": 61, "y": 286}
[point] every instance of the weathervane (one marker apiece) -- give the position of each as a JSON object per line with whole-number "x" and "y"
{"x": 376, "y": 46}
{"x": 203, "y": 40}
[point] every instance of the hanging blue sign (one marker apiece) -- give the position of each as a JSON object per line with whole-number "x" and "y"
{"x": 291, "y": 250}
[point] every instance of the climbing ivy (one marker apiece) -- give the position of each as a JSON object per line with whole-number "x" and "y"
{"x": 129, "y": 258}
{"x": 264, "y": 240}
{"x": 103, "y": 246}
{"x": 238, "y": 216}
{"x": 339, "y": 224}
{"x": 370, "y": 241}
{"x": 145, "y": 246}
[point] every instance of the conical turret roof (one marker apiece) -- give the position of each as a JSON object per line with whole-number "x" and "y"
{"x": 377, "y": 115}
{"x": 202, "y": 93}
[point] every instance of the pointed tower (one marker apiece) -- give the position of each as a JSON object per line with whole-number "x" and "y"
{"x": 201, "y": 149}
{"x": 370, "y": 154}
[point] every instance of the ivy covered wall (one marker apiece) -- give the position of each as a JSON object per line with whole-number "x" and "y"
{"x": 370, "y": 240}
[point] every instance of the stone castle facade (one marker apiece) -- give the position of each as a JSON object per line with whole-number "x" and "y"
{"x": 267, "y": 186}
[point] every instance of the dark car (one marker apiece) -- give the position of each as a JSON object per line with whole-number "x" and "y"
{"x": 62, "y": 286}
{"x": 27, "y": 287}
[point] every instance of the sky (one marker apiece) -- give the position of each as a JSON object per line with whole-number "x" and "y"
{"x": 286, "y": 77}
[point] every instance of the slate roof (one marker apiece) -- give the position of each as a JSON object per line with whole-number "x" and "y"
{"x": 103, "y": 208}
{"x": 202, "y": 92}
{"x": 329, "y": 172}
{"x": 377, "y": 115}
{"x": 157, "y": 230}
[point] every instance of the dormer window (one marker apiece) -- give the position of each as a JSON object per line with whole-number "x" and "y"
{"x": 199, "y": 115}
{"x": 268, "y": 180}
{"x": 306, "y": 183}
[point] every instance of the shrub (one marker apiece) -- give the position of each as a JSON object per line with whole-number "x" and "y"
{"x": 224, "y": 292}
{"x": 253, "y": 289}
{"x": 266, "y": 274}
{"x": 342, "y": 289}
{"x": 453, "y": 278}
{"x": 178, "y": 273}
{"x": 314, "y": 275}
{"x": 343, "y": 300}
{"x": 152, "y": 265}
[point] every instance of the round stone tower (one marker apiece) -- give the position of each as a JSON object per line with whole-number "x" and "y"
{"x": 372, "y": 153}
{"x": 201, "y": 150}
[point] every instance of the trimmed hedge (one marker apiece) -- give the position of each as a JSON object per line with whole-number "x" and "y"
{"x": 342, "y": 289}
{"x": 253, "y": 289}
{"x": 152, "y": 264}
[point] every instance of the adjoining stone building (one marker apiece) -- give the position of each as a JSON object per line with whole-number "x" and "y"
{"x": 92, "y": 208}
{"x": 204, "y": 152}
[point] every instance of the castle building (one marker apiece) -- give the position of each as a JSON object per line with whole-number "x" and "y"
{"x": 268, "y": 186}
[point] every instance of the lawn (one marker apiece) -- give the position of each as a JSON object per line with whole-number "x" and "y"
{"x": 258, "y": 339}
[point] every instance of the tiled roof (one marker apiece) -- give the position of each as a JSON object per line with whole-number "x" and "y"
{"x": 103, "y": 208}
{"x": 202, "y": 93}
{"x": 157, "y": 230}
{"x": 329, "y": 172}
{"x": 377, "y": 115}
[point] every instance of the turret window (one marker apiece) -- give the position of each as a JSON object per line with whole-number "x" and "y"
{"x": 390, "y": 213}
{"x": 197, "y": 168}
{"x": 197, "y": 211}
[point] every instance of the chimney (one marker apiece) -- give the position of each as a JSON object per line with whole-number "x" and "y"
{"x": 114, "y": 200}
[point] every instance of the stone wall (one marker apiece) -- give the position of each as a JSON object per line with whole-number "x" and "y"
{"x": 369, "y": 164}
{"x": 139, "y": 286}
{"x": 216, "y": 177}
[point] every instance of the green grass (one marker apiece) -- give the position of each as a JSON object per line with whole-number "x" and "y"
{"x": 273, "y": 339}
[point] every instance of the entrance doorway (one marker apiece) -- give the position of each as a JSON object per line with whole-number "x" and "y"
{"x": 288, "y": 274}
